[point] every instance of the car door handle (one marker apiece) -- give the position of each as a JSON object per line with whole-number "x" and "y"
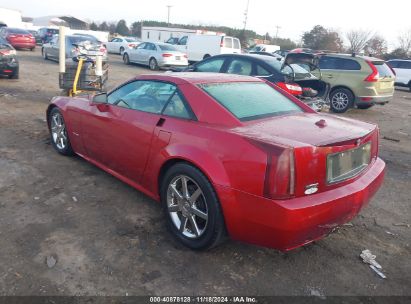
{"x": 161, "y": 122}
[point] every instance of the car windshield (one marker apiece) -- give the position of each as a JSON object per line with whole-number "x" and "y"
{"x": 288, "y": 70}
{"x": 251, "y": 100}
{"x": 164, "y": 47}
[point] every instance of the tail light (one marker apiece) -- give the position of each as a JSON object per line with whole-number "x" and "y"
{"x": 167, "y": 55}
{"x": 185, "y": 56}
{"x": 131, "y": 45}
{"x": 280, "y": 174}
{"x": 292, "y": 88}
{"x": 11, "y": 36}
{"x": 103, "y": 49}
{"x": 8, "y": 52}
{"x": 279, "y": 182}
{"x": 373, "y": 77}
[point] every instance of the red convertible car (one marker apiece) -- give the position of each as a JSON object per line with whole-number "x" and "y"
{"x": 225, "y": 154}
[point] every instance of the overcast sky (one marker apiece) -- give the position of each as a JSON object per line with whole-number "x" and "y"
{"x": 387, "y": 18}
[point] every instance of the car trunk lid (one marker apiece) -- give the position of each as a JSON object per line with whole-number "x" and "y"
{"x": 328, "y": 151}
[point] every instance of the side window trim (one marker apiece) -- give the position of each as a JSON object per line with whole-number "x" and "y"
{"x": 193, "y": 117}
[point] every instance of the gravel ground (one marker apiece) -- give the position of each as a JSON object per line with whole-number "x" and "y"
{"x": 109, "y": 239}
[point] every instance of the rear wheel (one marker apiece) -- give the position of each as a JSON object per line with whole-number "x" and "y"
{"x": 192, "y": 208}
{"x": 126, "y": 59}
{"x": 58, "y": 133}
{"x": 44, "y": 54}
{"x": 153, "y": 64}
{"x": 341, "y": 100}
{"x": 32, "y": 49}
{"x": 121, "y": 51}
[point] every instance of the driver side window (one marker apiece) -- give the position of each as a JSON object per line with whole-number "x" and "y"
{"x": 145, "y": 96}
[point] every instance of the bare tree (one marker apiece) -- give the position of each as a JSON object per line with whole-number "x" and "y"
{"x": 404, "y": 42}
{"x": 357, "y": 40}
{"x": 376, "y": 46}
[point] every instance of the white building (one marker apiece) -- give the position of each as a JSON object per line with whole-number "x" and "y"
{"x": 162, "y": 34}
{"x": 10, "y": 18}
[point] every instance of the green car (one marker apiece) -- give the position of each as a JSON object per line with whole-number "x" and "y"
{"x": 356, "y": 81}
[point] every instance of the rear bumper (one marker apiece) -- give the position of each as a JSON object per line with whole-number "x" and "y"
{"x": 9, "y": 68}
{"x": 366, "y": 100}
{"x": 288, "y": 224}
{"x": 24, "y": 45}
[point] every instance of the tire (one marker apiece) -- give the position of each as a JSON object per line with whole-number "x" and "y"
{"x": 364, "y": 106}
{"x": 341, "y": 100}
{"x": 58, "y": 133}
{"x": 206, "y": 56}
{"x": 44, "y": 54}
{"x": 126, "y": 59}
{"x": 121, "y": 51}
{"x": 153, "y": 65}
{"x": 32, "y": 49}
{"x": 207, "y": 214}
{"x": 409, "y": 85}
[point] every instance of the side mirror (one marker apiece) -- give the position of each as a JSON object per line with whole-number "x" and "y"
{"x": 100, "y": 98}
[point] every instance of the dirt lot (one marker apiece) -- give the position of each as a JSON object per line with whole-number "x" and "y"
{"x": 109, "y": 239}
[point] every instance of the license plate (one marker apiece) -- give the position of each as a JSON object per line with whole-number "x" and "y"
{"x": 385, "y": 85}
{"x": 178, "y": 57}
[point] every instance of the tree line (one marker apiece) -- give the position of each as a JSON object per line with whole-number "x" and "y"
{"x": 318, "y": 38}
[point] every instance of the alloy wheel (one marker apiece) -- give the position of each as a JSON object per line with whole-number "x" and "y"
{"x": 187, "y": 206}
{"x": 58, "y": 131}
{"x": 153, "y": 64}
{"x": 340, "y": 101}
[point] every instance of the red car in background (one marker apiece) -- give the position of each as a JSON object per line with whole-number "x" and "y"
{"x": 225, "y": 153}
{"x": 18, "y": 38}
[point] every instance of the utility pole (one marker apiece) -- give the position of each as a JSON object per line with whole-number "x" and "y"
{"x": 246, "y": 15}
{"x": 168, "y": 14}
{"x": 278, "y": 28}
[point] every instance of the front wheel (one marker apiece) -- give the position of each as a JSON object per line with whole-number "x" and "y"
{"x": 341, "y": 100}
{"x": 192, "y": 208}
{"x": 58, "y": 133}
{"x": 153, "y": 64}
{"x": 126, "y": 59}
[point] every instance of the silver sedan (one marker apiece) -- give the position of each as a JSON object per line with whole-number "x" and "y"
{"x": 155, "y": 56}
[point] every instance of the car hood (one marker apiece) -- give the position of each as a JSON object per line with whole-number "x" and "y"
{"x": 305, "y": 129}
{"x": 310, "y": 60}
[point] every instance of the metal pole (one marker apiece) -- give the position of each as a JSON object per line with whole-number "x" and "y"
{"x": 168, "y": 14}
{"x": 62, "y": 49}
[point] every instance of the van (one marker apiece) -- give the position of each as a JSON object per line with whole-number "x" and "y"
{"x": 199, "y": 47}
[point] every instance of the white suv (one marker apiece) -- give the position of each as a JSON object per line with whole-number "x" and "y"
{"x": 402, "y": 70}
